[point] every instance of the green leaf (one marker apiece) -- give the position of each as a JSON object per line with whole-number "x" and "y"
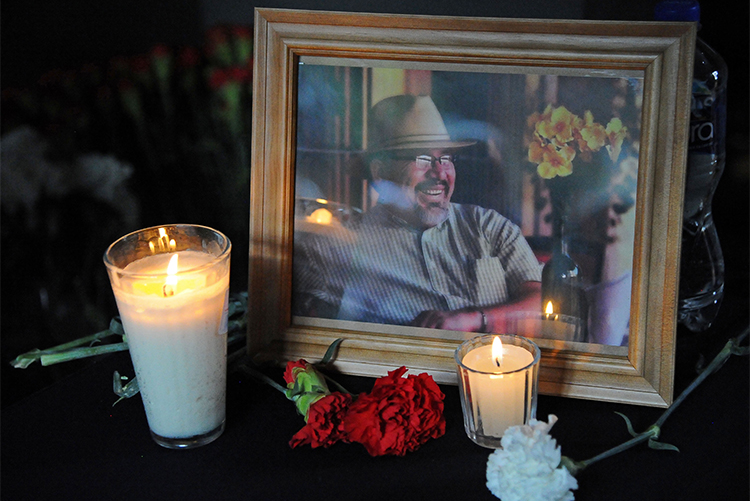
{"x": 129, "y": 390}
{"x": 661, "y": 446}
{"x": 331, "y": 352}
{"x": 574, "y": 467}
{"x": 24, "y": 360}
{"x": 115, "y": 327}
{"x": 627, "y": 421}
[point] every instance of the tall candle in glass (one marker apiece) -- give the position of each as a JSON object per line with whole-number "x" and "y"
{"x": 497, "y": 380}
{"x": 171, "y": 284}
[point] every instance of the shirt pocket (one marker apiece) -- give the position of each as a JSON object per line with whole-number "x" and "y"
{"x": 489, "y": 276}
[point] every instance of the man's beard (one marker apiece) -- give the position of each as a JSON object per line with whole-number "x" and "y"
{"x": 433, "y": 214}
{"x": 420, "y": 215}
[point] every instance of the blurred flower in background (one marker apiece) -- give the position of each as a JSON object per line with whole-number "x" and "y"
{"x": 91, "y": 154}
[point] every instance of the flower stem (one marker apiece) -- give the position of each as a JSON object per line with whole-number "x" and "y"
{"x": 337, "y": 385}
{"x": 729, "y": 349}
{"x": 652, "y": 432}
{"x": 262, "y": 377}
{"x": 77, "y": 353}
{"x": 732, "y": 347}
{"x": 24, "y": 360}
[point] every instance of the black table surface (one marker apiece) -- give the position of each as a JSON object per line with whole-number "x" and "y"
{"x": 68, "y": 441}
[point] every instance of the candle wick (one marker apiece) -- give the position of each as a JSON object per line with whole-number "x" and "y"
{"x": 167, "y": 290}
{"x": 497, "y": 361}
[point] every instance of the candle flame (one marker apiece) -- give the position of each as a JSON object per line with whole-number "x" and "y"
{"x": 164, "y": 243}
{"x": 497, "y": 351}
{"x": 172, "y": 266}
{"x": 321, "y": 216}
{"x": 548, "y": 310}
{"x": 171, "y": 283}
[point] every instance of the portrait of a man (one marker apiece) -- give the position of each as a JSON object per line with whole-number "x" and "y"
{"x": 414, "y": 229}
{"x": 417, "y": 258}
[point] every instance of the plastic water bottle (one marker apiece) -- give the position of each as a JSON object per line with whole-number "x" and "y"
{"x": 702, "y": 262}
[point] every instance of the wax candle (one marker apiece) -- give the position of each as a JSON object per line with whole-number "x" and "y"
{"x": 498, "y": 385}
{"x": 545, "y": 325}
{"x": 173, "y": 305}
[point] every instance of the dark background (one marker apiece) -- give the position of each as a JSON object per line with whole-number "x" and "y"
{"x": 40, "y": 36}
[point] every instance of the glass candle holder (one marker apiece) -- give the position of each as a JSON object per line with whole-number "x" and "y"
{"x": 498, "y": 383}
{"x": 171, "y": 285}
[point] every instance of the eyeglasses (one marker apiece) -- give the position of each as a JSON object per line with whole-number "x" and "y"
{"x": 427, "y": 161}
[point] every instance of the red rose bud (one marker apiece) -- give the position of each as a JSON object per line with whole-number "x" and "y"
{"x": 241, "y": 32}
{"x": 305, "y": 385}
{"x": 398, "y": 416}
{"x": 325, "y": 422}
{"x": 239, "y": 74}
{"x": 289, "y": 373}
{"x": 243, "y": 44}
{"x": 217, "y": 78}
{"x": 161, "y": 59}
{"x": 217, "y": 46}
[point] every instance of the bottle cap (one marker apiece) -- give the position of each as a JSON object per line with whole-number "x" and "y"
{"x": 677, "y": 10}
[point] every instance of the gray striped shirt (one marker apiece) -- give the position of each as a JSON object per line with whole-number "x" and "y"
{"x": 380, "y": 269}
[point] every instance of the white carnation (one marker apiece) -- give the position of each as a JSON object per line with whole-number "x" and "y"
{"x": 526, "y": 467}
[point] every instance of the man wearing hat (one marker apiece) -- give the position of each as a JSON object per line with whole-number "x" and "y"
{"x": 417, "y": 258}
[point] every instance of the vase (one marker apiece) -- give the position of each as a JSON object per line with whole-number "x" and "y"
{"x": 562, "y": 289}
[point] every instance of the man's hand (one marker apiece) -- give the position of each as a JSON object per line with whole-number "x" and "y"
{"x": 529, "y": 298}
{"x": 459, "y": 320}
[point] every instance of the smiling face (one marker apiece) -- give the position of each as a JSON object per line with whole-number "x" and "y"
{"x": 417, "y": 186}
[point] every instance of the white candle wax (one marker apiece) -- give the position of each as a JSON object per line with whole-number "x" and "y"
{"x": 499, "y": 399}
{"x": 177, "y": 341}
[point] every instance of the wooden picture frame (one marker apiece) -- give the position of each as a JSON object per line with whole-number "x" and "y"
{"x": 661, "y": 54}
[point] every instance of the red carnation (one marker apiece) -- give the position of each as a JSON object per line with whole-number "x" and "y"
{"x": 398, "y": 416}
{"x": 325, "y": 422}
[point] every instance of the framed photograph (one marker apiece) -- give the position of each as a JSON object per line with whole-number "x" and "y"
{"x": 418, "y": 180}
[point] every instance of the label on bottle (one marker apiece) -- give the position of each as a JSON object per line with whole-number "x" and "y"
{"x": 707, "y": 118}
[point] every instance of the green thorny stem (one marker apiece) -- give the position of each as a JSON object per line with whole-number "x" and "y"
{"x": 732, "y": 347}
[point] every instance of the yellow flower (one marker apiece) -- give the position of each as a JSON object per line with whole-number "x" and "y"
{"x": 616, "y": 132}
{"x": 593, "y": 135}
{"x": 536, "y": 152}
{"x": 557, "y": 127}
{"x": 532, "y": 120}
{"x": 556, "y": 162}
{"x": 556, "y": 133}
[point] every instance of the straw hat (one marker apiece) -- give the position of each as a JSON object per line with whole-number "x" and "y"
{"x": 408, "y": 123}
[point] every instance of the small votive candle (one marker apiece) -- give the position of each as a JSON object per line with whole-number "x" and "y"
{"x": 497, "y": 378}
